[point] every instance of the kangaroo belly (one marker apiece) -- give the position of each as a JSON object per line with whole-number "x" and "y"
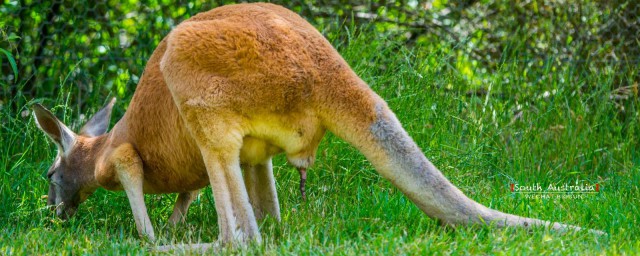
{"x": 297, "y": 134}
{"x": 173, "y": 168}
{"x": 181, "y": 168}
{"x": 160, "y": 180}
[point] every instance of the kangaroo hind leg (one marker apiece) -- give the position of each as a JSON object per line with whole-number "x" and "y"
{"x": 181, "y": 208}
{"x": 220, "y": 145}
{"x": 261, "y": 187}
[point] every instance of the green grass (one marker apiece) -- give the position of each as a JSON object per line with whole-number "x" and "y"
{"x": 514, "y": 134}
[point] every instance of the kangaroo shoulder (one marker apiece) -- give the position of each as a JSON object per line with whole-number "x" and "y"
{"x": 122, "y": 157}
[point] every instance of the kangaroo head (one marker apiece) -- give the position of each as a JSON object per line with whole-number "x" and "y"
{"x": 71, "y": 176}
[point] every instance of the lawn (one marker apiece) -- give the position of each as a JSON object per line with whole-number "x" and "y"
{"x": 526, "y": 123}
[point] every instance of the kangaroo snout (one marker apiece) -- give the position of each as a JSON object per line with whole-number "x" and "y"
{"x": 65, "y": 212}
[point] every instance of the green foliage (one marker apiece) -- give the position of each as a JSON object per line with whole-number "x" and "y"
{"x": 526, "y": 126}
{"x": 12, "y": 62}
{"x": 96, "y": 46}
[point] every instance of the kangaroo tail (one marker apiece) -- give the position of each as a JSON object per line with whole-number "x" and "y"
{"x": 364, "y": 120}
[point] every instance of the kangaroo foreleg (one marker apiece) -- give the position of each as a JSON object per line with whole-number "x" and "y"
{"x": 128, "y": 166}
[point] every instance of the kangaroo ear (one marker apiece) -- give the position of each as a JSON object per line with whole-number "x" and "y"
{"x": 99, "y": 123}
{"x": 56, "y": 130}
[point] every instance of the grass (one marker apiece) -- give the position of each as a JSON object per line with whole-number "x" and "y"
{"x": 547, "y": 126}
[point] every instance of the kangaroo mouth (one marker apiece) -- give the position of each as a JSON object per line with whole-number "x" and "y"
{"x": 67, "y": 208}
{"x": 65, "y": 212}
{"x": 64, "y": 206}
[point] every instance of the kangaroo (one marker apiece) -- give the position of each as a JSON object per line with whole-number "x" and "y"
{"x": 225, "y": 91}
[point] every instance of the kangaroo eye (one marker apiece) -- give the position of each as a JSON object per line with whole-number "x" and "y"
{"x": 54, "y": 167}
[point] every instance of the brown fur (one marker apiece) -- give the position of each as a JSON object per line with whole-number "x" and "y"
{"x": 234, "y": 86}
